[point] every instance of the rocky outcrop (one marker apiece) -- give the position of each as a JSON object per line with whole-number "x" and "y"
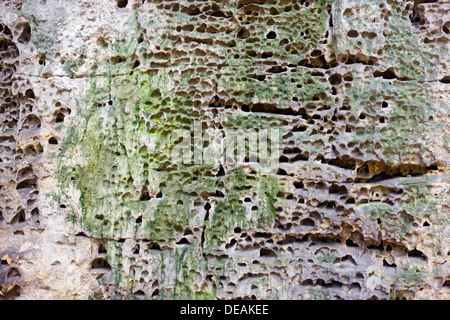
{"x": 98, "y": 201}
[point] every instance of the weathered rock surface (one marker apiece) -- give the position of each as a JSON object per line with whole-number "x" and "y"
{"x": 92, "y": 205}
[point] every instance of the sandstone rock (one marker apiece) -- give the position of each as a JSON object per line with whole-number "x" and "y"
{"x": 93, "y": 204}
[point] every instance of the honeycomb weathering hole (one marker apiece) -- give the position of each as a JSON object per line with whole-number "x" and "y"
{"x": 100, "y": 263}
{"x": 122, "y": 3}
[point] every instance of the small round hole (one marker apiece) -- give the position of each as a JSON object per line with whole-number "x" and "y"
{"x": 271, "y": 35}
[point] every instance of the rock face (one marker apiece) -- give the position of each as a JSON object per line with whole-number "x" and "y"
{"x": 95, "y": 203}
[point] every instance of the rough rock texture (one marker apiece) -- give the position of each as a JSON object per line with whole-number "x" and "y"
{"x": 93, "y": 206}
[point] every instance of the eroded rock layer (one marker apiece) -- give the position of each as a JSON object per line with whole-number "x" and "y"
{"x": 94, "y": 205}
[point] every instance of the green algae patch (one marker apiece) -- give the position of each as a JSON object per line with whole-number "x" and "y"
{"x": 404, "y": 107}
{"x": 190, "y": 266}
{"x": 241, "y": 79}
{"x": 419, "y": 202}
{"x": 318, "y": 294}
{"x": 267, "y": 193}
{"x": 309, "y": 24}
{"x": 411, "y": 276}
{"x": 388, "y": 217}
{"x": 172, "y": 214}
{"x": 384, "y": 29}
{"x": 123, "y": 142}
{"x": 228, "y": 214}
{"x": 44, "y": 27}
{"x": 71, "y": 65}
{"x": 231, "y": 213}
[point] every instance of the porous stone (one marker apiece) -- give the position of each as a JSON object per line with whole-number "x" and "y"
{"x": 94, "y": 206}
